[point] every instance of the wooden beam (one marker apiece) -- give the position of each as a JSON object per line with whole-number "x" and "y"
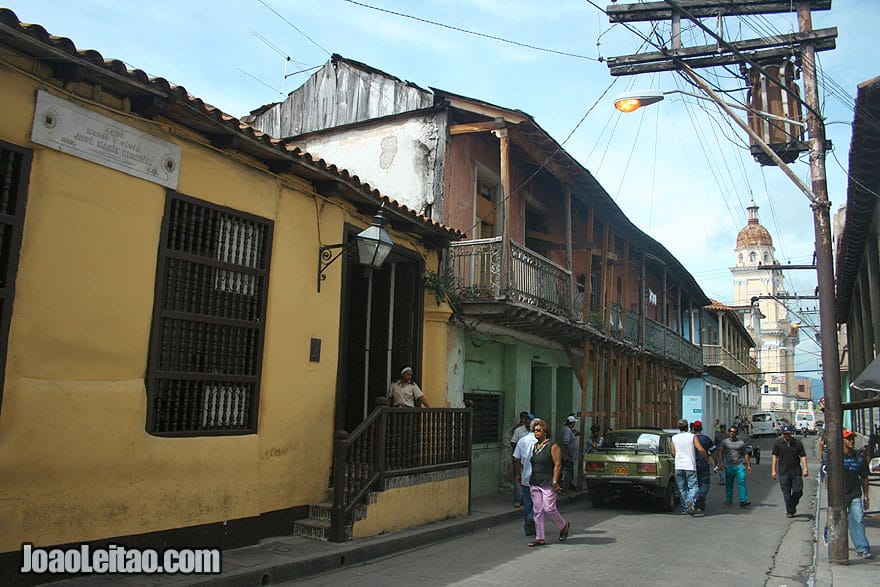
{"x": 701, "y": 62}
{"x": 460, "y": 129}
{"x": 704, "y": 8}
{"x": 787, "y": 41}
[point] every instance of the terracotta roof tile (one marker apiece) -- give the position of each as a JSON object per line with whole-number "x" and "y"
{"x": 36, "y": 32}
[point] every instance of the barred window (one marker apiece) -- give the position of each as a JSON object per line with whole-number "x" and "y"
{"x": 487, "y": 415}
{"x": 206, "y": 344}
{"x": 15, "y": 165}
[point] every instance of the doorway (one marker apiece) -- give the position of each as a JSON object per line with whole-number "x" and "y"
{"x": 381, "y": 333}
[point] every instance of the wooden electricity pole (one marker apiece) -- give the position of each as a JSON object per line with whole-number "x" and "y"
{"x": 755, "y": 52}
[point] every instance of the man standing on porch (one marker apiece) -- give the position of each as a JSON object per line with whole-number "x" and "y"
{"x": 404, "y": 392}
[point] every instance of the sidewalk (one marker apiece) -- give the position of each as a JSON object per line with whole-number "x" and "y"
{"x": 285, "y": 558}
{"x": 857, "y": 572}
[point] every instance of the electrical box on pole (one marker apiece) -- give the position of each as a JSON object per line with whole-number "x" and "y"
{"x": 765, "y": 95}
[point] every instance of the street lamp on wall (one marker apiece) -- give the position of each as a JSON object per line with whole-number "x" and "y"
{"x": 373, "y": 246}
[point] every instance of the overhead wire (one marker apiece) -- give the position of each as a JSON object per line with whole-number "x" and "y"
{"x": 470, "y": 32}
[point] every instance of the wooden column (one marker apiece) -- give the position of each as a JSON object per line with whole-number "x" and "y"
{"x": 568, "y": 253}
{"x": 603, "y": 293}
{"x": 504, "y": 147}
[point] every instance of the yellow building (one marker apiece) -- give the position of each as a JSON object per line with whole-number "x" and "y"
{"x": 175, "y": 366}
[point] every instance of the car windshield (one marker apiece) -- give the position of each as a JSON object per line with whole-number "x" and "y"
{"x": 760, "y": 417}
{"x": 632, "y": 440}
{"x": 805, "y": 417}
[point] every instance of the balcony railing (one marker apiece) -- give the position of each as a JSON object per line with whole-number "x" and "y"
{"x": 717, "y": 355}
{"x": 665, "y": 341}
{"x": 538, "y": 282}
{"x": 532, "y": 279}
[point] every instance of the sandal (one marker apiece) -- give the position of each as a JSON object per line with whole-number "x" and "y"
{"x": 563, "y": 534}
{"x": 537, "y": 543}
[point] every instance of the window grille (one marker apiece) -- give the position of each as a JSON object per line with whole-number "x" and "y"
{"x": 208, "y": 320}
{"x": 487, "y": 416}
{"x": 14, "y": 173}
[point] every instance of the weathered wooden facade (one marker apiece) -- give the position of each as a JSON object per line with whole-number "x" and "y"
{"x": 562, "y": 305}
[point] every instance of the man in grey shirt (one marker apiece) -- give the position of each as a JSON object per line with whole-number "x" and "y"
{"x": 733, "y": 455}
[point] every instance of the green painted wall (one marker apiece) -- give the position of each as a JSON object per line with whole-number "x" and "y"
{"x": 530, "y": 378}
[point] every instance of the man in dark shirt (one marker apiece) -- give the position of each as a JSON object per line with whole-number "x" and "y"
{"x": 790, "y": 467}
{"x": 704, "y": 471}
{"x": 855, "y": 493}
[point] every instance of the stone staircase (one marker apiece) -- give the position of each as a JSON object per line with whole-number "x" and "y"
{"x": 317, "y": 525}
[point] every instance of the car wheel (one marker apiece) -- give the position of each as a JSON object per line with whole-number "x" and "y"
{"x": 666, "y": 501}
{"x": 598, "y": 501}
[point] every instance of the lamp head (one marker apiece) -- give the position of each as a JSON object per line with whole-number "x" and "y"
{"x": 374, "y": 244}
{"x": 632, "y": 101}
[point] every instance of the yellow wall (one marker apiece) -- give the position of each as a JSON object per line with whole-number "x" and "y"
{"x": 396, "y": 509}
{"x": 75, "y": 460}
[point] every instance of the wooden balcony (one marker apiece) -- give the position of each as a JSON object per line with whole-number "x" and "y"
{"x": 723, "y": 364}
{"x": 537, "y": 300}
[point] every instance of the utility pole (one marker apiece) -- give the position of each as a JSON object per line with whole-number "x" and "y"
{"x": 807, "y": 42}
{"x": 838, "y": 551}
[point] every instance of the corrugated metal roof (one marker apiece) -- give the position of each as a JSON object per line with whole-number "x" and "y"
{"x": 156, "y": 94}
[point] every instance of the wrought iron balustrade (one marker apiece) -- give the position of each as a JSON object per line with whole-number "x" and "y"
{"x": 531, "y": 278}
{"x": 393, "y": 442}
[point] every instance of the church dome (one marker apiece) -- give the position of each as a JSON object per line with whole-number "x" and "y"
{"x": 753, "y": 234}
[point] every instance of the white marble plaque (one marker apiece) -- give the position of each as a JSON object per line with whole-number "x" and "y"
{"x": 66, "y": 127}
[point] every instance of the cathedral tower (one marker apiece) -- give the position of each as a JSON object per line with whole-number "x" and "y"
{"x": 768, "y": 323}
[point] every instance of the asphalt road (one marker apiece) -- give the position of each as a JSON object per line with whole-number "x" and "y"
{"x": 623, "y": 543}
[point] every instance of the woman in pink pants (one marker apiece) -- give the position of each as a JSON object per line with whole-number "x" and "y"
{"x": 546, "y": 468}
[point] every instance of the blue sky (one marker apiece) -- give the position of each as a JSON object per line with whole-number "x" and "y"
{"x": 676, "y": 169}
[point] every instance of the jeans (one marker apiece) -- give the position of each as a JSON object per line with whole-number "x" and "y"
{"x": 856, "y": 520}
{"x": 736, "y": 473}
{"x": 704, "y": 482}
{"x": 517, "y": 493}
{"x": 687, "y": 487}
{"x": 528, "y": 511}
{"x": 792, "y": 489}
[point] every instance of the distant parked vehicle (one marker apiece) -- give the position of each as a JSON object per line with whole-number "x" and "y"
{"x": 764, "y": 424}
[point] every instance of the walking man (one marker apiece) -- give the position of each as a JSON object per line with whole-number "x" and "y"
{"x": 855, "y": 493}
{"x": 522, "y": 464}
{"x": 522, "y": 429}
{"x": 736, "y": 464}
{"x": 704, "y": 470}
{"x": 789, "y": 465}
{"x": 570, "y": 449}
{"x": 685, "y": 445}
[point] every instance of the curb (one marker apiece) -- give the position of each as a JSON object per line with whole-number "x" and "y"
{"x": 357, "y": 553}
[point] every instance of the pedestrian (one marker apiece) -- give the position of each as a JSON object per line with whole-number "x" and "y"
{"x": 716, "y": 428}
{"x": 404, "y": 392}
{"x": 685, "y": 445}
{"x": 593, "y": 443}
{"x": 544, "y": 482}
{"x": 719, "y": 436}
{"x": 704, "y": 468}
{"x": 855, "y": 493}
{"x": 604, "y": 436}
{"x": 789, "y": 465}
{"x": 570, "y": 449}
{"x": 736, "y": 463}
{"x": 522, "y": 462}
{"x": 823, "y": 454}
{"x": 521, "y": 429}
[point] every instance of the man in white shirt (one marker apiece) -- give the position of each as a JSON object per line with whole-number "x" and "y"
{"x": 525, "y": 422}
{"x": 685, "y": 446}
{"x": 522, "y": 461}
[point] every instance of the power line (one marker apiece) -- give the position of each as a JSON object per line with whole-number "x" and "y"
{"x": 475, "y": 33}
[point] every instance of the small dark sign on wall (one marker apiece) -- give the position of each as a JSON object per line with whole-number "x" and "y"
{"x": 315, "y": 350}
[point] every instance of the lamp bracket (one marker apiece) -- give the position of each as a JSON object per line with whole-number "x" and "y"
{"x": 326, "y": 258}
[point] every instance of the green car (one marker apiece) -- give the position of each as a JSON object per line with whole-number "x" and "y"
{"x": 635, "y": 463}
